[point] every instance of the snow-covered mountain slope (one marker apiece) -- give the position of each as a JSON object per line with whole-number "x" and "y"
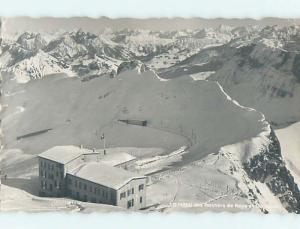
{"x": 31, "y": 41}
{"x": 269, "y": 167}
{"x": 83, "y": 54}
{"x": 290, "y": 148}
{"x": 89, "y": 54}
{"x": 258, "y": 69}
{"x": 261, "y": 172}
{"x": 37, "y": 67}
{"x": 171, "y": 108}
{"x": 271, "y": 88}
{"x": 144, "y": 75}
{"x": 76, "y": 112}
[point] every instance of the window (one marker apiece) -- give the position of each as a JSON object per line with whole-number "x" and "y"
{"x": 122, "y": 195}
{"x": 43, "y": 184}
{"x": 52, "y": 167}
{"x": 141, "y": 200}
{"x": 84, "y": 186}
{"x": 128, "y": 192}
{"x": 50, "y": 176}
{"x": 55, "y": 183}
{"x": 76, "y": 183}
{"x": 141, "y": 187}
{"x": 95, "y": 190}
{"x": 132, "y": 191}
{"x": 130, "y": 203}
{"x": 70, "y": 181}
{"x": 50, "y": 187}
{"x": 91, "y": 188}
{"x": 79, "y": 185}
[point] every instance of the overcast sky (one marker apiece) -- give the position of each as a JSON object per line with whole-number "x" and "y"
{"x": 152, "y": 8}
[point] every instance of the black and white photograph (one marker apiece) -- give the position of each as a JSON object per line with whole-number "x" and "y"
{"x": 149, "y": 115}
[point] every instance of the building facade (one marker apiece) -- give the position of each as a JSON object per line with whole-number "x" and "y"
{"x": 52, "y": 178}
{"x": 81, "y": 174}
{"x": 133, "y": 194}
{"x": 100, "y": 183}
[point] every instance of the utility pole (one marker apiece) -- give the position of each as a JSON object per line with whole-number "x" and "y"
{"x": 192, "y": 134}
{"x": 103, "y": 138}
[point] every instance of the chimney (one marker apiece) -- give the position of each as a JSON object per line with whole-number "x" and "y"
{"x": 81, "y": 146}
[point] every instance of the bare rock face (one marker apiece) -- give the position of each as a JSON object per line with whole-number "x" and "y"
{"x": 130, "y": 65}
{"x": 268, "y": 167}
{"x": 31, "y": 41}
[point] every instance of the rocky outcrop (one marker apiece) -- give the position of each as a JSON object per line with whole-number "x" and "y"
{"x": 31, "y": 41}
{"x": 130, "y": 65}
{"x": 268, "y": 167}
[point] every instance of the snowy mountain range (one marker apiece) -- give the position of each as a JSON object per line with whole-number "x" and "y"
{"x": 244, "y": 75}
{"x": 260, "y": 62}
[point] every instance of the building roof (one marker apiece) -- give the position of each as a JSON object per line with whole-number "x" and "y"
{"x": 63, "y": 154}
{"x": 103, "y": 174}
{"x": 114, "y": 159}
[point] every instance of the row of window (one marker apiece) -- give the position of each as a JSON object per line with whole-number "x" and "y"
{"x": 130, "y": 203}
{"x": 43, "y": 173}
{"x": 57, "y": 185}
{"x": 86, "y": 199}
{"x": 97, "y": 191}
{"x": 131, "y": 191}
{"x": 50, "y": 166}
